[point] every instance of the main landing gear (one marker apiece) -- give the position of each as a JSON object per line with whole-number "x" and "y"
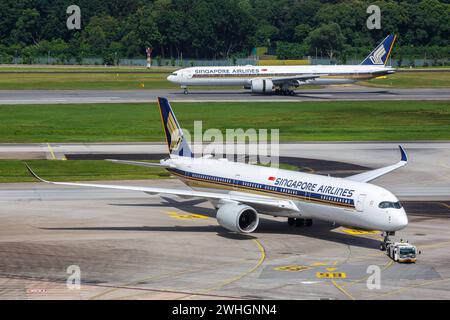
{"x": 285, "y": 92}
{"x": 386, "y": 241}
{"x": 299, "y": 222}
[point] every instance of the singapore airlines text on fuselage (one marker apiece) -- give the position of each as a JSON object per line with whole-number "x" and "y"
{"x": 284, "y": 79}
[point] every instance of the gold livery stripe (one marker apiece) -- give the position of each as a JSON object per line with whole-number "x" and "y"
{"x": 277, "y": 193}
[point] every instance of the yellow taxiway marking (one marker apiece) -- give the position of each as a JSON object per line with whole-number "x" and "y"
{"x": 388, "y": 265}
{"x": 359, "y": 232}
{"x": 191, "y": 216}
{"x": 318, "y": 264}
{"x": 342, "y": 290}
{"x": 330, "y": 269}
{"x": 292, "y": 268}
{"x": 229, "y": 281}
{"x": 51, "y": 151}
{"x": 331, "y": 275}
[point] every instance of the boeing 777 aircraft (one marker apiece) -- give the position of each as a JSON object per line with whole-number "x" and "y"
{"x": 241, "y": 192}
{"x": 283, "y": 79}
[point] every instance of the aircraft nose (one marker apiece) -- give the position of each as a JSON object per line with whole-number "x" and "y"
{"x": 401, "y": 219}
{"x": 171, "y": 78}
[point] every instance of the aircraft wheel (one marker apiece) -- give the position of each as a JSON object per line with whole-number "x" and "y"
{"x": 291, "y": 222}
{"x": 299, "y": 222}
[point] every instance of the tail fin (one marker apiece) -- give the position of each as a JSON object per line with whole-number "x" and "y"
{"x": 380, "y": 55}
{"x": 175, "y": 139}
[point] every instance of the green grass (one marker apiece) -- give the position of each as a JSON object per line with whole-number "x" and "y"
{"x": 297, "y": 121}
{"x": 81, "y": 170}
{"x": 109, "y": 79}
{"x": 412, "y": 79}
{"x": 64, "y": 68}
{"x": 84, "y": 81}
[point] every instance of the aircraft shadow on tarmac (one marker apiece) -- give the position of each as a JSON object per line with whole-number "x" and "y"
{"x": 320, "y": 230}
{"x": 297, "y": 93}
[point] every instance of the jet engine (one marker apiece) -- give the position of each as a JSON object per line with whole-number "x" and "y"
{"x": 262, "y": 86}
{"x": 237, "y": 217}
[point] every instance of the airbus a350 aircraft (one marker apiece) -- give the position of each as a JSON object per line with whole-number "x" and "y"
{"x": 283, "y": 79}
{"x": 241, "y": 192}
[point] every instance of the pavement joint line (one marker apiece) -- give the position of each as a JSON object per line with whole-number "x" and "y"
{"x": 408, "y": 288}
{"x": 129, "y": 288}
{"x": 237, "y": 278}
{"x": 342, "y": 290}
{"x": 434, "y": 245}
{"x": 126, "y": 286}
{"x": 387, "y": 266}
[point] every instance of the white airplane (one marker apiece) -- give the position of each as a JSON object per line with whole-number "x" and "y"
{"x": 282, "y": 79}
{"x": 240, "y": 192}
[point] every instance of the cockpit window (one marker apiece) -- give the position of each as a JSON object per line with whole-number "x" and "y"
{"x": 174, "y": 74}
{"x": 388, "y": 204}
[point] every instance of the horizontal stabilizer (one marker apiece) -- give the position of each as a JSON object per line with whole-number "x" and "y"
{"x": 139, "y": 163}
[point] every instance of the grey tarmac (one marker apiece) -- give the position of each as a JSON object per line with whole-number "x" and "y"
{"x": 331, "y": 93}
{"x": 426, "y": 177}
{"x": 135, "y": 246}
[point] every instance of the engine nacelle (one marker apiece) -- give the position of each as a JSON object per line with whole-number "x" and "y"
{"x": 262, "y": 86}
{"x": 238, "y": 217}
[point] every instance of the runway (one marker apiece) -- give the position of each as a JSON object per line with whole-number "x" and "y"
{"x": 332, "y": 93}
{"x": 426, "y": 177}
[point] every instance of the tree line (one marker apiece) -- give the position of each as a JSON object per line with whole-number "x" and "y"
{"x": 217, "y": 29}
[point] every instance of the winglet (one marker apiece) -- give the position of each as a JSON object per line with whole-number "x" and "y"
{"x": 35, "y": 175}
{"x": 403, "y": 153}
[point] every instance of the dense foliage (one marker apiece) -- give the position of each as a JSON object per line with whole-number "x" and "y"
{"x": 220, "y": 28}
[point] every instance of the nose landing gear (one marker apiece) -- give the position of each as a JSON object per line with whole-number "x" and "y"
{"x": 386, "y": 241}
{"x": 185, "y": 89}
{"x": 285, "y": 92}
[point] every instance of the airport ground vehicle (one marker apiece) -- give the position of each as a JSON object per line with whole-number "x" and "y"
{"x": 402, "y": 251}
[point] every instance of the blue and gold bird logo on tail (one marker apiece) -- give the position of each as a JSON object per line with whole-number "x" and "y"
{"x": 176, "y": 142}
{"x": 380, "y": 55}
{"x": 377, "y": 56}
{"x": 175, "y": 134}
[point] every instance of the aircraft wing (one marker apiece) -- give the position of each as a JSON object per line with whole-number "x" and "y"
{"x": 290, "y": 79}
{"x": 231, "y": 196}
{"x": 373, "y": 174}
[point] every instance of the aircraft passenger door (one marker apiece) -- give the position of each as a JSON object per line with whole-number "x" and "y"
{"x": 188, "y": 74}
{"x": 359, "y": 205}
{"x": 236, "y": 180}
